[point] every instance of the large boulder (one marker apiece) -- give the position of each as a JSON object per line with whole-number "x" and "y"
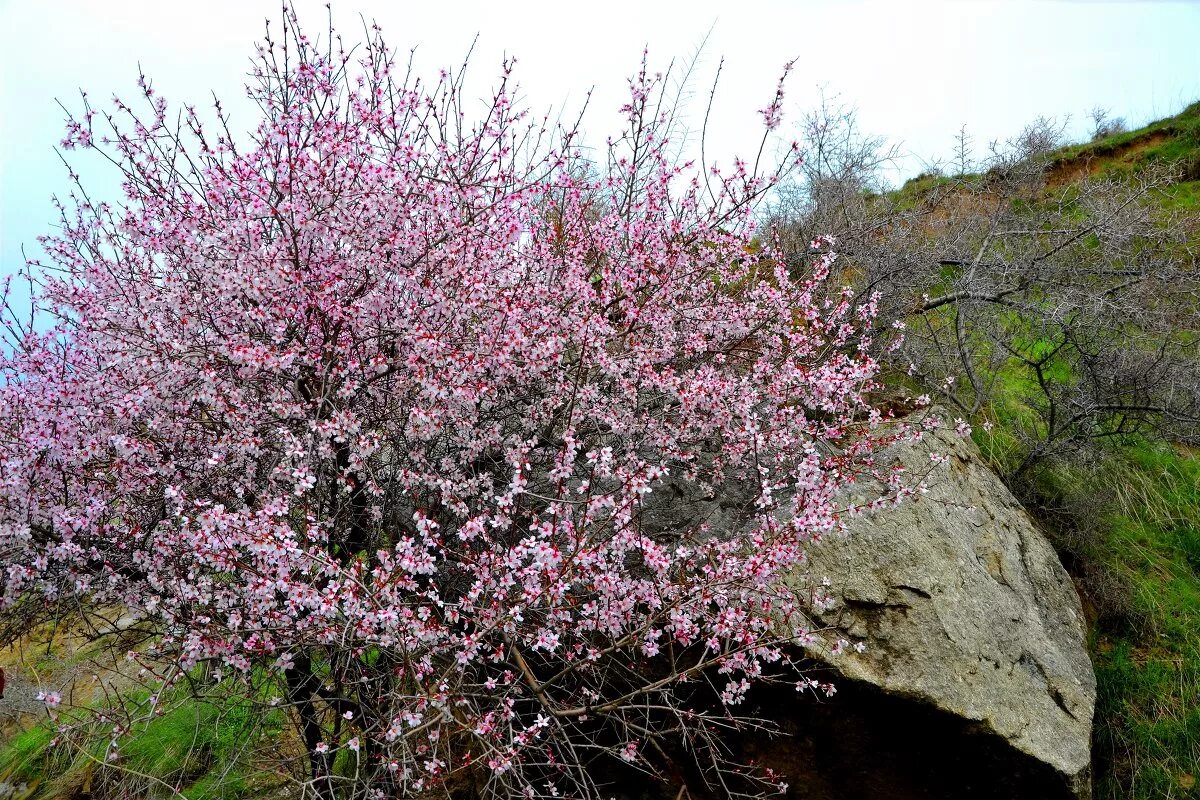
{"x": 965, "y": 609}
{"x": 975, "y": 682}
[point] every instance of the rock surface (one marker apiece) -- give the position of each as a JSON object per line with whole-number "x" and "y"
{"x": 965, "y": 607}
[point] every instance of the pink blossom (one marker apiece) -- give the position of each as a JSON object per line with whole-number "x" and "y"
{"x": 383, "y": 400}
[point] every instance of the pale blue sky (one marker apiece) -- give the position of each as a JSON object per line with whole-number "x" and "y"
{"x": 916, "y": 71}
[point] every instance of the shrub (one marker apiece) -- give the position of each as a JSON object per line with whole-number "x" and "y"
{"x": 372, "y": 404}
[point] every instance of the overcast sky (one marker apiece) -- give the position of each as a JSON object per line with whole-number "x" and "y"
{"x": 915, "y": 71}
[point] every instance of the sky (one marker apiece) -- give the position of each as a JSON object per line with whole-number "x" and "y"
{"x": 916, "y": 72}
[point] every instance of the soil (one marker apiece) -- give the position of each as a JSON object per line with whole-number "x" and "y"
{"x": 1084, "y": 165}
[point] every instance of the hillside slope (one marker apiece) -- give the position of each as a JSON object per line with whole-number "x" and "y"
{"x": 1126, "y": 519}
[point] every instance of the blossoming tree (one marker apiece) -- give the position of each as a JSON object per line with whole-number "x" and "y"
{"x": 362, "y": 415}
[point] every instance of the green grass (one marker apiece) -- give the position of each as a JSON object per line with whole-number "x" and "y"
{"x": 1173, "y": 139}
{"x": 203, "y": 752}
{"x": 23, "y": 759}
{"x": 1181, "y": 142}
{"x": 1148, "y": 708}
{"x": 1183, "y": 196}
{"x": 915, "y": 190}
{"x": 1127, "y": 525}
{"x": 1139, "y": 554}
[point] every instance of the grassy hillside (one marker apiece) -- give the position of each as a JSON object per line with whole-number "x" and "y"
{"x": 192, "y": 750}
{"x": 1127, "y": 524}
{"x": 1174, "y": 139}
{"x": 1128, "y": 529}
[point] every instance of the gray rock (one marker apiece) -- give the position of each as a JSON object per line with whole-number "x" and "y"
{"x": 964, "y": 605}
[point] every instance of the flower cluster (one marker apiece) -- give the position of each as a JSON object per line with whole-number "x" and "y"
{"x": 390, "y": 405}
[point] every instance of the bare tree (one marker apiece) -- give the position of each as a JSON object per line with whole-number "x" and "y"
{"x": 841, "y": 169}
{"x": 1104, "y": 124}
{"x": 1078, "y": 298}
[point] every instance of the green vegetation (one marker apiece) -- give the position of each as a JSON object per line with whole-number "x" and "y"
{"x": 1174, "y": 139}
{"x": 1125, "y": 517}
{"x": 1149, "y": 674}
{"x": 23, "y": 759}
{"x": 1182, "y": 197}
{"x": 1127, "y": 525}
{"x": 192, "y": 750}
